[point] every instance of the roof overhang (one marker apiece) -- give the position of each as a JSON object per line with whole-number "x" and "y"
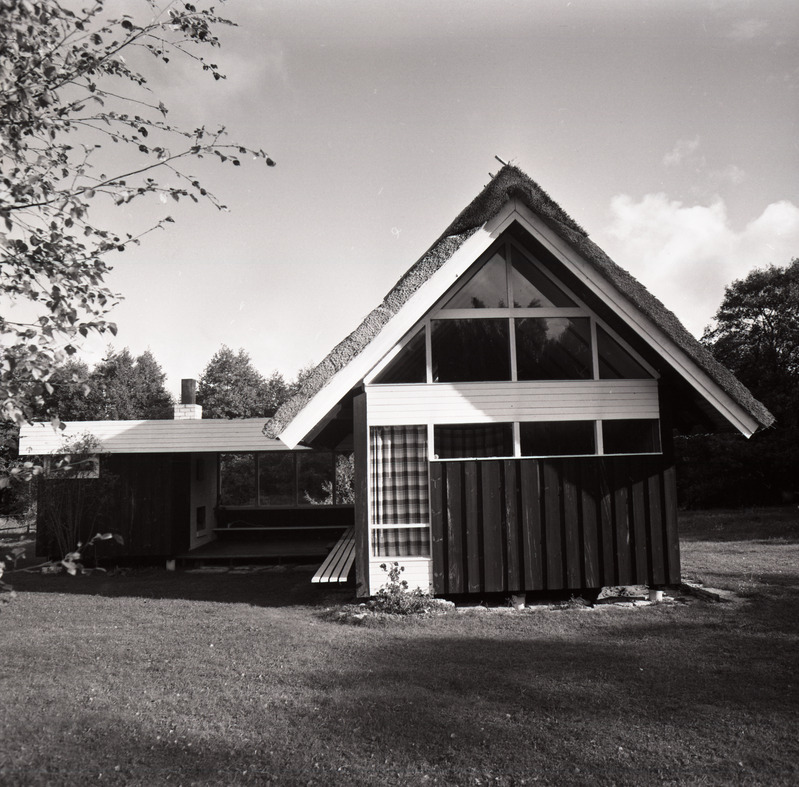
{"x": 151, "y": 437}
{"x": 417, "y": 306}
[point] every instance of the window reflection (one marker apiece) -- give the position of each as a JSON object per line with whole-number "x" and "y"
{"x": 470, "y": 350}
{"x": 553, "y": 348}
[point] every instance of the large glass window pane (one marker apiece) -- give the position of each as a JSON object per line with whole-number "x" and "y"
{"x": 470, "y": 350}
{"x": 557, "y": 438}
{"x": 615, "y": 363}
{"x": 463, "y": 441}
{"x": 486, "y": 289}
{"x": 410, "y": 364}
{"x": 345, "y": 479}
{"x": 531, "y": 288}
{"x": 315, "y": 478}
{"x": 553, "y": 348}
{"x": 237, "y": 479}
{"x": 640, "y": 436}
{"x": 276, "y": 480}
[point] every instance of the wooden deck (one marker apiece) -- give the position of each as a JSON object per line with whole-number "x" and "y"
{"x": 276, "y": 548}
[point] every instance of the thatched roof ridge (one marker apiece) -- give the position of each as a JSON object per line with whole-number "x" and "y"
{"x": 509, "y": 183}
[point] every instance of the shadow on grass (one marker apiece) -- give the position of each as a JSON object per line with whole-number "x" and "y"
{"x": 641, "y": 699}
{"x": 287, "y": 586}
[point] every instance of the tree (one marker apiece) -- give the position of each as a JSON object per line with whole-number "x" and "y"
{"x": 757, "y": 337}
{"x": 70, "y": 140}
{"x": 124, "y": 388}
{"x": 231, "y": 387}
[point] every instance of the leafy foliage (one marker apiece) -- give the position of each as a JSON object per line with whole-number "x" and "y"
{"x": 395, "y": 598}
{"x": 231, "y": 387}
{"x": 70, "y": 140}
{"x": 757, "y": 338}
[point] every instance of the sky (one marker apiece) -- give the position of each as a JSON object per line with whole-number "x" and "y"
{"x": 667, "y": 128}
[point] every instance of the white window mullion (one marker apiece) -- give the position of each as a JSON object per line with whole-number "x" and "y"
{"x": 600, "y": 448}
{"x": 428, "y": 342}
{"x": 594, "y": 351}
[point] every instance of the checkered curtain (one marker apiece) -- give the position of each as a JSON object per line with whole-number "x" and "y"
{"x": 400, "y": 490}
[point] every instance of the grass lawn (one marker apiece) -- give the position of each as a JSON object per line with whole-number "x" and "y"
{"x": 185, "y": 678}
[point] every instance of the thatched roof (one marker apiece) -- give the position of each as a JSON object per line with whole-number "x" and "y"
{"x": 509, "y": 183}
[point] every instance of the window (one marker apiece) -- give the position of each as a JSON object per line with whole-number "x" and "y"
{"x": 511, "y": 321}
{"x": 640, "y": 436}
{"x": 557, "y": 438}
{"x": 399, "y": 491}
{"x": 616, "y": 363}
{"x": 410, "y": 364}
{"x": 276, "y": 480}
{"x": 466, "y": 350}
{"x": 237, "y": 479}
{"x": 554, "y": 348}
{"x": 486, "y": 289}
{"x": 464, "y": 441}
{"x": 286, "y": 479}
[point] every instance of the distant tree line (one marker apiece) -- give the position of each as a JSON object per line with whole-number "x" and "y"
{"x": 757, "y": 338}
{"x": 124, "y": 387}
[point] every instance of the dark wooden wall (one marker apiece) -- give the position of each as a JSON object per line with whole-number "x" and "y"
{"x": 147, "y": 503}
{"x": 551, "y": 524}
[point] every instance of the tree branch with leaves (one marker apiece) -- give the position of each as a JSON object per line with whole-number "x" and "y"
{"x": 74, "y": 93}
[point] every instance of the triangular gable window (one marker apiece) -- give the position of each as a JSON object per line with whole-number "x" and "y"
{"x": 531, "y": 288}
{"x": 615, "y": 362}
{"x": 409, "y": 366}
{"x": 487, "y": 289}
{"x": 511, "y": 320}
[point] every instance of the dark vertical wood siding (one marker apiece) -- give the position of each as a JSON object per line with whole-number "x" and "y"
{"x": 548, "y": 524}
{"x": 147, "y": 504}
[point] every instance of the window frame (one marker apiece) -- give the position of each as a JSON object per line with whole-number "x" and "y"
{"x": 295, "y": 463}
{"x": 439, "y": 312}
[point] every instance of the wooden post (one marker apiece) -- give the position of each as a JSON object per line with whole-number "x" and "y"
{"x": 360, "y": 435}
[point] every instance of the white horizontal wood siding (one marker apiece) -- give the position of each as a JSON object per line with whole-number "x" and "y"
{"x": 152, "y": 437}
{"x": 418, "y": 572}
{"x": 569, "y": 400}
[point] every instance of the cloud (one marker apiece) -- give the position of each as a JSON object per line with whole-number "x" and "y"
{"x": 731, "y": 174}
{"x": 687, "y": 254}
{"x": 747, "y": 29}
{"x": 681, "y": 151}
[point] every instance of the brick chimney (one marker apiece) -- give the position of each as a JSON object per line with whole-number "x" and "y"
{"x": 188, "y": 409}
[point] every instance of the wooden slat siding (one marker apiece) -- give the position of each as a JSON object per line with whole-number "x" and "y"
{"x": 511, "y": 522}
{"x": 532, "y": 536}
{"x": 607, "y": 539}
{"x": 454, "y": 522}
{"x": 657, "y": 545}
{"x": 571, "y": 523}
{"x": 493, "y": 546}
{"x": 553, "y": 526}
{"x": 474, "y": 557}
{"x": 557, "y": 523}
{"x": 639, "y": 526}
{"x": 589, "y": 506}
{"x": 568, "y": 400}
{"x": 438, "y": 536}
{"x": 670, "y": 521}
{"x": 621, "y": 521}
{"x": 360, "y": 435}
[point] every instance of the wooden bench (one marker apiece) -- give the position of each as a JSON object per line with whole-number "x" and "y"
{"x": 338, "y": 563}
